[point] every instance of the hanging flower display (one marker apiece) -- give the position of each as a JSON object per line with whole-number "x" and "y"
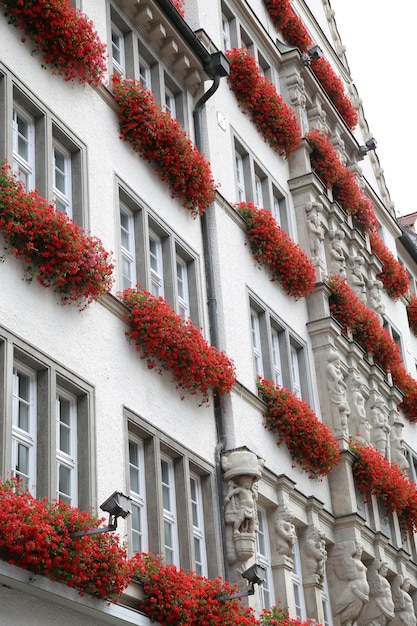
{"x": 309, "y": 441}
{"x": 272, "y": 247}
{"x": 273, "y": 118}
{"x": 64, "y": 35}
{"x": 374, "y": 475}
{"x": 394, "y": 276}
{"x": 352, "y": 314}
{"x": 412, "y": 314}
{"x": 336, "y": 176}
{"x": 170, "y": 343}
{"x": 333, "y": 86}
{"x": 57, "y": 252}
{"x": 161, "y": 140}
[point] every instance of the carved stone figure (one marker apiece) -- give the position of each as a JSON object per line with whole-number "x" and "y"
{"x": 380, "y": 608}
{"x": 375, "y": 298}
{"x": 314, "y": 553}
{"x": 403, "y": 603}
{"x": 356, "y": 277}
{"x": 361, "y": 428}
{"x": 315, "y": 231}
{"x": 285, "y": 533}
{"x": 241, "y": 496}
{"x": 380, "y": 426}
{"x": 350, "y": 585}
{"x": 397, "y": 449}
{"x": 337, "y": 255}
{"x": 336, "y": 387}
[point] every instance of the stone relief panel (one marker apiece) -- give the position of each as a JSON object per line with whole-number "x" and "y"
{"x": 396, "y": 442}
{"x": 337, "y": 255}
{"x": 359, "y": 426}
{"x": 375, "y": 298}
{"x": 356, "y": 277}
{"x": 316, "y": 231}
{"x": 380, "y": 425}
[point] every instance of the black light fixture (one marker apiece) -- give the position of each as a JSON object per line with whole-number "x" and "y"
{"x": 255, "y": 575}
{"x": 370, "y": 145}
{"x": 314, "y": 54}
{"x": 116, "y": 505}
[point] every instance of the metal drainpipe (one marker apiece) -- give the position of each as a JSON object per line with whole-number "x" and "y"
{"x": 214, "y": 329}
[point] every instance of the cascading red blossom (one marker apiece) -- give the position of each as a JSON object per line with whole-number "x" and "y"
{"x": 64, "y": 35}
{"x": 278, "y": 617}
{"x": 336, "y": 176}
{"x": 353, "y": 315}
{"x": 374, "y": 475}
{"x": 394, "y": 276}
{"x": 412, "y": 314}
{"x": 272, "y": 247}
{"x": 273, "y": 118}
{"x": 333, "y": 86}
{"x": 56, "y": 250}
{"x": 162, "y": 141}
{"x": 35, "y": 535}
{"x": 309, "y": 441}
{"x": 163, "y": 337}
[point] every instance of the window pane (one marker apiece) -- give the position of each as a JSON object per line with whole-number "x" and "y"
{"x": 64, "y": 483}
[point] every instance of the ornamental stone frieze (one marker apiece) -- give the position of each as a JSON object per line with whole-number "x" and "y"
{"x": 241, "y": 471}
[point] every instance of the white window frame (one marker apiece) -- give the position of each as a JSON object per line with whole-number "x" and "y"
{"x": 138, "y": 535}
{"x": 21, "y": 436}
{"x": 127, "y": 246}
{"x": 240, "y": 177}
{"x": 256, "y": 343}
{"x": 64, "y": 459}
{"x": 62, "y": 198}
{"x": 263, "y": 557}
{"x": 295, "y": 370}
{"x": 259, "y": 193}
{"x": 182, "y": 287}
{"x": 22, "y": 166}
{"x": 327, "y": 609}
{"x": 276, "y": 357}
{"x": 200, "y": 566}
{"x": 297, "y": 583}
{"x": 118, "y": 46}
{"x": 169, "y": 514}
{"x": 227, "y": 39}
{"x": 145, "y": 74}
{"x": 170, "y": 103}
{"x": 156, "y": 264}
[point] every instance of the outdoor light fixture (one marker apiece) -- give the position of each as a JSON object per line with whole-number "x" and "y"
{"x": 116, "y": 505}
{"x": 370, "y": 145}
{"x": 314, "y": 54}
{"x": 255, "y": 575}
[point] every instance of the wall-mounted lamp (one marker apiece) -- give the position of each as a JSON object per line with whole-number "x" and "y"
{"x": 314, "y": 54}
{"x": 116, "y": 505}
{"x": 255, "y": 575}
{"x": 370, "y": 145}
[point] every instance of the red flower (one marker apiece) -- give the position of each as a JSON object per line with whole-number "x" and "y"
{"x": 309, "y": 441}
{"x": 272, "y": 247}
{"x": 56, "y": 250}
{"x": 394, "y": 276}
{"x": 412, "y": 314}
{"x": 65, "y": 36}
{"x": 161, "y": 140}
{"x": 333, "y": 86}
{"x": 271, "y": 115}
{"x": 161, "y": 334}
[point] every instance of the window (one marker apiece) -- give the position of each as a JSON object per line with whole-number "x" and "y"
{"x": 327, "y": 611}
{"x": 127, "y": 239}
{"x": 62, "y": 179}
{"x": 66, "y": 438}
{"x": 278, "y": 354}
{"x": 227, "y": 41}
{"x": 182, "y": 288}
{"x": 297, "y": 584}
{"x": 24, "y": 426}
{"x": 240, "y": 178}
{"x": 145, "y": 74}
{"x": 156, "y": 264}
{"x": 24, "y": 147}
{"x": 137, "y": 493}
{"x": 170, "y": 105}
{"x": 393, "y": 332}
{"x": 263, "y": 556}
{"x": 169, "y": 511}
{"x": 200, "y": 555}
{"x": 259, "y": 194}
{"x": 118, "y": 50}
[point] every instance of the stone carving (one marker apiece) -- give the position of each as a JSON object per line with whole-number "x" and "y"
{"x": 336, "y": 387}
{"x": 380, "y": 426}
{"x": 403, "y": 603}
{"x": 314, "y": 552}
{"x": 380, "y": 608}
{"x": 337, "y": 255}
{"x": 361, "y": 428}
{"x": 351, "y": 588}
{"x": 375, "y": 298}
{"x": 242, "y": 470}
{"x": 397, "y": 449}
{"x": 356, "y": 278}
{"x": 285, "y": 533}
{"x": 315, "y": 231}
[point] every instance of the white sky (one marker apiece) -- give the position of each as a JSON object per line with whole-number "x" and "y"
{"x": 379, "y": 37}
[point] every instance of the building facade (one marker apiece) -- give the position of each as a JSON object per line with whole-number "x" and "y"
{"x": 283, "y": 249}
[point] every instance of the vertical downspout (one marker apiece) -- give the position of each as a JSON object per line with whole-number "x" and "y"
{"x": 214, "y": 328}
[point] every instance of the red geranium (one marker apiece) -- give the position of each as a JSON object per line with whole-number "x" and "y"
{"x": 271, "y": 246}
{"x": 163, "y": 337}
{"x": 333, "y": 86}
{"x": 394, "y": 276}
{"x": 64, "y": 35}
{"x": 412, "y": 314}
